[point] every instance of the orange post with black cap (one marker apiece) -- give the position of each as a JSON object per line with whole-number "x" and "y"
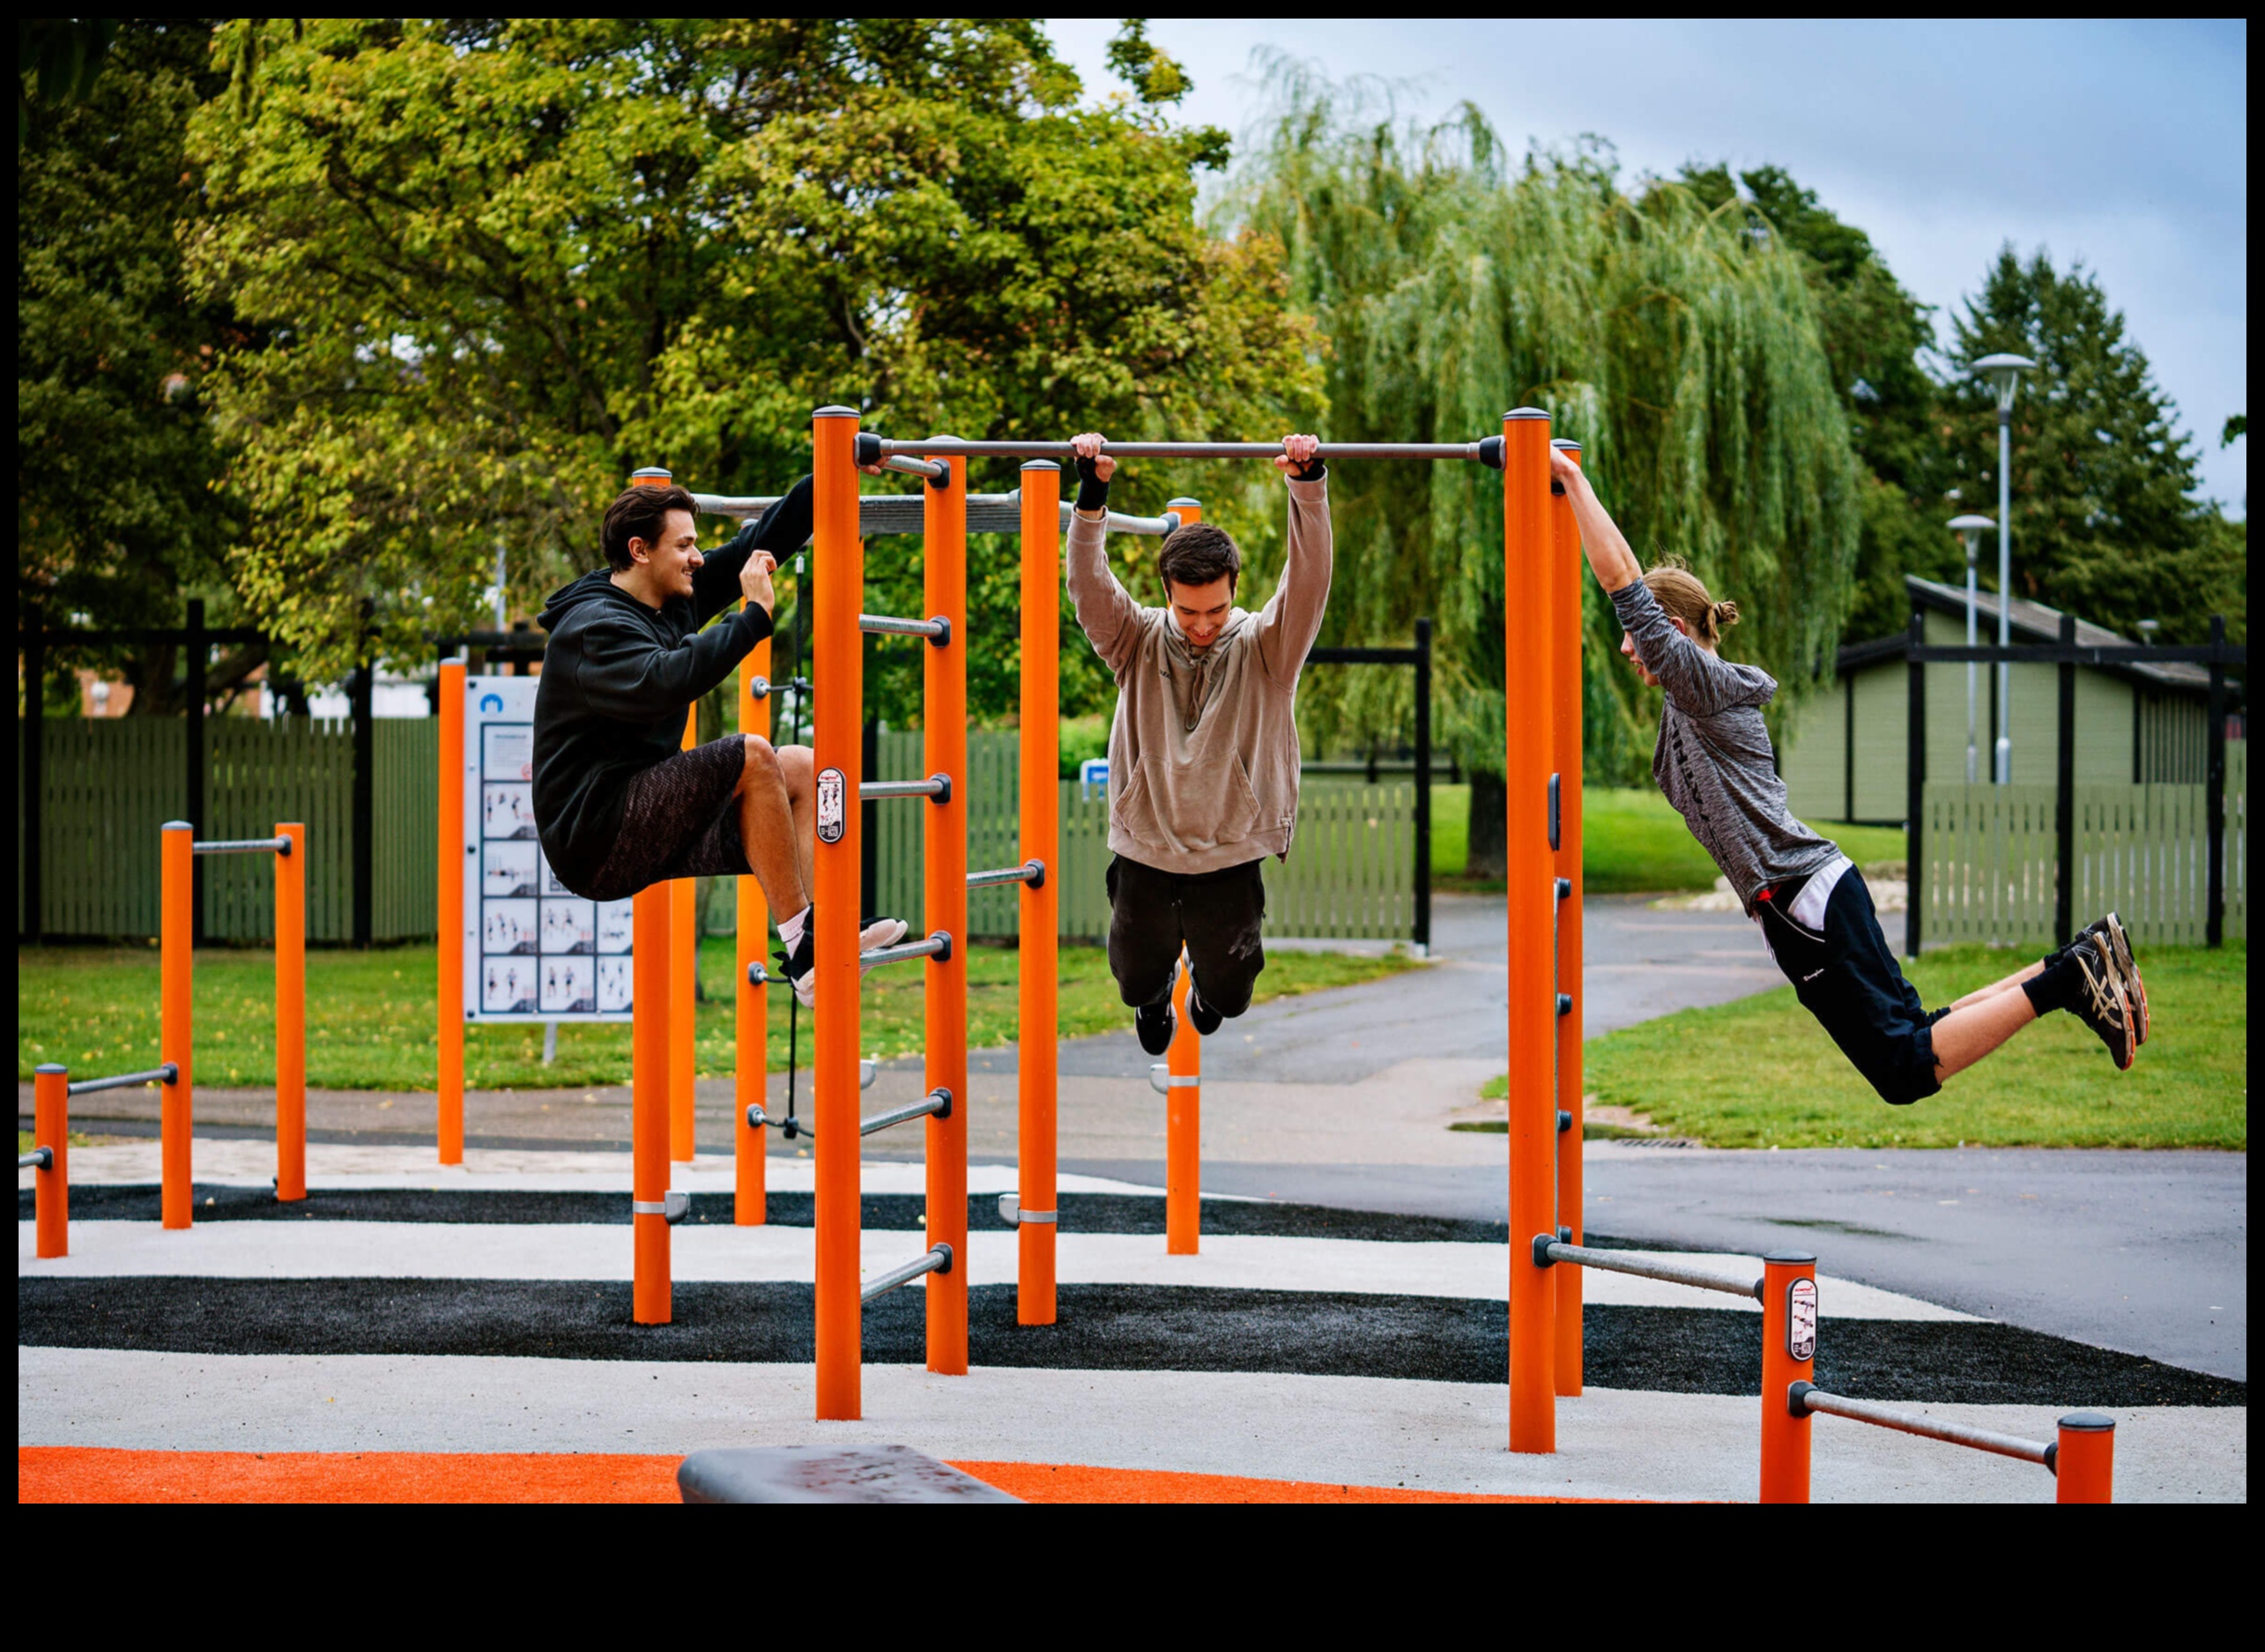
{"x": 751, "y": 1000}
{"x": 1531, "y": 895}
{"x": 1789, "y": 1356}
{"x": 290, "y": 1014}
{"x": 2084, "y": 1459}
{"x": 51, "y": 1182}
{"x": 450, "y": 909}
{"x": 1039, "y": 917}
{"x": 944, "y": 903}
{"x": 837, "y": 557}
{"x": 1565, "y": 626}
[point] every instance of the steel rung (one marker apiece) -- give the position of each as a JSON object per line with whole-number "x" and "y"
{"x": 168, "y": 1074}
{"x": 1548, "y": 1248}
{"x": 936, "y": 1259}
{"x": 1804, "y": 1397}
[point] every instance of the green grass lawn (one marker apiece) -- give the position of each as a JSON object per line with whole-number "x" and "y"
{"x": 1761, "y": 1073}
{"x": 1631, "y": 841}
{"x": 370, "y": 1014}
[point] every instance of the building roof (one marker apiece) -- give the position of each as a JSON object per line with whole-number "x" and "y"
{"x": 2029, "y": 622}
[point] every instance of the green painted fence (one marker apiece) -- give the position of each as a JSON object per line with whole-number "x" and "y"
{"x": 1992, "y": 861}
{"x": 113, "y": 783}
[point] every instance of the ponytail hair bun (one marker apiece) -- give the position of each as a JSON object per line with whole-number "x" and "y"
{"x": 1725, "y": 616}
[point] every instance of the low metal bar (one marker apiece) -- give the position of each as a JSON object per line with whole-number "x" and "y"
{"x": 243, "y": 845}
{"x": 938, "y": 631}
{"x": 1548, "y": 1248}
{"x": 937, "y": 946}
{"x": 39, "y": 1158}
{"x": 934, "y": 471}
{"x": 1118, "y": 521}
{"x": 936, "y": 1259}
{"x": 937, "y": 786}
{"x": 1032, "y": 872}
{"x": 1802, "y": 1398}
{"x": 168, "y": 1074}
{"x": 1476, "y": 452}
{"x": 938, "y": 1102}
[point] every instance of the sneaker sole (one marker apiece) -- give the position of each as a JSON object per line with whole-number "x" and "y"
{"x": 2128, "y": 976}
{"x": 2123, "y": 1006}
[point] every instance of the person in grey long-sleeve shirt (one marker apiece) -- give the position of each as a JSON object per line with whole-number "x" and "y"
{"x": 1716, "y": 766}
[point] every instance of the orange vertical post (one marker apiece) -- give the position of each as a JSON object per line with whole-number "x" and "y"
{"x": 2083, "y": 1461}
{"x": 290, "y": 1014}
{"x": 1565, "y": 658}
{"x": 683, "y": 993}
{"x": 1183, "y": 1127}
{"x": 449, "y": 893}
{"x": 649, "y": 939}
{"x": 177, "y": 1037}
{"x": 1039, "y": 928}
{"x": 944, "y": 751}
{"x": 51, "y": 1187}
{"x": 751, "y": 1020}
{"x": 1789, "y": 1356}
{"x": 837, "y": 684}
{"x": 1531, "y": 896}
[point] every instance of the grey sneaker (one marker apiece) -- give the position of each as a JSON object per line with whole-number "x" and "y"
{"x": 2100, "y": 1004}
{"x": 2108, "y": 936}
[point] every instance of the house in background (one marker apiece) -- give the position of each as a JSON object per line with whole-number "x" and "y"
{"x": 1843, "y": 750}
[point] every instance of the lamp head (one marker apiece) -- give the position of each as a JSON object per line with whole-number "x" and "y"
{"x": 2005, "y": 371}
{"x": 1971, "y": 528}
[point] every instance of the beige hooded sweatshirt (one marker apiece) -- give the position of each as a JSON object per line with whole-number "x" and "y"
{"x": 1203, "y": 753}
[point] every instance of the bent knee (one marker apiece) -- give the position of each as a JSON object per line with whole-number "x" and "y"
{"x": 762, "y": 757}
{"x": 795, "y": 763}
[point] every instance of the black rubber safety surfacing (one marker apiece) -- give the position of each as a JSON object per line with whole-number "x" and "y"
{"x": 1101, "y": 1328}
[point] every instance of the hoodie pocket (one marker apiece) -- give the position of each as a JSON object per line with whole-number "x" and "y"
{"x": 1135, "y": 812}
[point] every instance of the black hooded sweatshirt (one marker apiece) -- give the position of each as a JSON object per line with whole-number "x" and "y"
{"x": 618, "y": 677}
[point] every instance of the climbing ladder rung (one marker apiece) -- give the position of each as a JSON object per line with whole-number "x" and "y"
{"x": 936, "y": 630}
{"x": 1547, "y": 1248}
{"x": 168, "y": 1074}
{"x": 936, "y": 1259}
{"x": 937, "y": 786}
{"x": 243, "y": 845}
{"x": 1032, "y": 872}
{"x": 936, "y": 1101}
{"x": 937, "y": 945}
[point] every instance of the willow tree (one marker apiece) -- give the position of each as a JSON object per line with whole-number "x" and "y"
{"x": 1453, "y": 281}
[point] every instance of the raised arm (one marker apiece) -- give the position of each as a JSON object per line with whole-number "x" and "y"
{"x": 626, "y": 674}
{"x": 1292, "y": 616}
{"x": 1608, "y": 557}
{"x": 1106, "y": 611}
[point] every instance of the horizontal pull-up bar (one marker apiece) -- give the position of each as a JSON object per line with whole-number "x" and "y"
{"x": 1032, "y": 872}
{"x": 936, "y": 1259}
{"x": 904, "y": 513}
{"x": 1549, "y": 1248}
{"x": 1486, "y": 451}
{"x": 937, "y": 786}
{"x": 168, "y": 1074}
{"x": 1802, "y": 1399}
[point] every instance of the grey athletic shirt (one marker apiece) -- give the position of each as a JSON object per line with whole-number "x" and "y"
{"x": 1713, "y": 759}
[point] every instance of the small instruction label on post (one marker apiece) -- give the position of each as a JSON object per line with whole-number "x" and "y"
{"x": 1801, "y": 1319}
{"x": 832, "y": 812}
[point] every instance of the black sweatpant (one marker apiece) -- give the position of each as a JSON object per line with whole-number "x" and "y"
{"x": 1214, "y": 914}
{"x": 1846, "y": 976}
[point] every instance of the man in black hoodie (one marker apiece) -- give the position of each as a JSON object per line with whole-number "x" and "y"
{"x": 619, "y": 805}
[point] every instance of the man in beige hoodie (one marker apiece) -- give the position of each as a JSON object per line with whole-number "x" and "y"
{"x": 1203, "y": 752}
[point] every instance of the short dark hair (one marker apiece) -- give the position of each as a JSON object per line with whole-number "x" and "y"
{"x": 640, "y": 513}
{"x": 1197, "y": 554}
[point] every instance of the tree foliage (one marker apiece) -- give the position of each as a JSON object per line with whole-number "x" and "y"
{"x": 118, "y": 515}
{"x": 2106, "y": 523}
{"x": 503, "y": 263}
{"x": 1452, "y": 282}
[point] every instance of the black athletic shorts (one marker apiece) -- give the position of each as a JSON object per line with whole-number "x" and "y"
{"x": 680, "y": 819}
{"x": 1214, "y": 914}
{"x": 1846, "y": 976}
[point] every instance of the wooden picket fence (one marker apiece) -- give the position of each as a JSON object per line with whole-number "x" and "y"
{"x": 1992, "y": 861}
{"x": 113, "y": 783}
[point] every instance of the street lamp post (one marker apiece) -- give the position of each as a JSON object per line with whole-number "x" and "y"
{"x": 2004, "y": 372}
{"x": 1971, "y": 528}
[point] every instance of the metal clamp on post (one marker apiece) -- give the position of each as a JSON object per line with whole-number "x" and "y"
{"x": 758, "y": 975}
{"x": 1565, "y": 1122}
{"x": 1163, "y": 1080}
{"x": 1564, "y": 1003}
{"x": 758, "y": 688}
{"x": 937, "y": 945}
{"x": 937, "y": 788}
{"x": 673, "y": 1209}
{"x": 1564, "y": 888}
{"x": 1011, "y": 1210}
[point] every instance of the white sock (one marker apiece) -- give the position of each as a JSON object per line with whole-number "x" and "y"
{"x": 790, "y": 930}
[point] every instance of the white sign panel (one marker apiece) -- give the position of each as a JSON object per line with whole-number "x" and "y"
{"x": 534, "y": 950}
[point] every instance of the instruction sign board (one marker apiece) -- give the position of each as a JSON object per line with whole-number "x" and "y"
{"x": 533, "y": 949}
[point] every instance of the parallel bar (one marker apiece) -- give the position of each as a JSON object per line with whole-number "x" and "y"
{"x": 937, "y": 946}
{"x": 936, "y": 1104}
{"x": 1030, "y": 872}
{"x": 1546, "y": 1251}
{"x": 912, "y": 467}
{"x": 936, "y": 1259}
{"x": 243, "y": 845}
{"x": 168, "y": 1074}
{"x": 1807, "y": 1398}
{"x": 882, "y": 625}
{"x": 936, "y": 785}
{"x": 1473, "y": 451}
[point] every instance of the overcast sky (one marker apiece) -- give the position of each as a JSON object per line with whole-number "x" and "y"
{"x": 2120, "y": 143}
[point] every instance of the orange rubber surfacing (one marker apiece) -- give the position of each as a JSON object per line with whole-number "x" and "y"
{"x": 90, "y": 1473}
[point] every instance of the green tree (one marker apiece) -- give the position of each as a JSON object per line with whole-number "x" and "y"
{"x": 1877, "y": 338}
{"x": 1453, "y": 281}
{"x": 506, "y": 261}
{"x": 117, "y": 512}
{"x": 2106, "y": 523}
